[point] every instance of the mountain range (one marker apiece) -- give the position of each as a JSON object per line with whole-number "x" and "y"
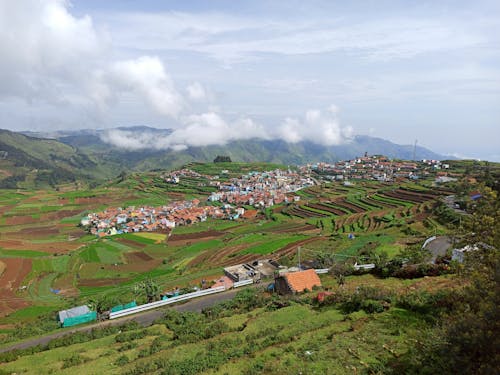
{"x": 48, "y": 158}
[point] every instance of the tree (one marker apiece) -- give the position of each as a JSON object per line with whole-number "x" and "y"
{"x": 467, "y": 339}
{"x": 222, "y": 159}
{"x": 148, "y": 288}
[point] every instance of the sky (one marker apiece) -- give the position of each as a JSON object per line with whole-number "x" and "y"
{"x": 216, "y": 71}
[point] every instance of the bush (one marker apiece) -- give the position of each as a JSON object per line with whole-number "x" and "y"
{"x": 129, "y": 336}
{"x": 122, "y": 360}
{"x": 370, "y": 299}
{"x": 75, "y": 360}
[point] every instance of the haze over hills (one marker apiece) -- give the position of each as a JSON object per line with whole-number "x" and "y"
{"x": 96, "y": 154}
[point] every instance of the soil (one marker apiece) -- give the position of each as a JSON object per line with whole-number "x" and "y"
{"x": 195, "y": 236}
{"x": 48, "y": 247}
{"x": 10, "y": 281}
{"x": 137, "y": 255}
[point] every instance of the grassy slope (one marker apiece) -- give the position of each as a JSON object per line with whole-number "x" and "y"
{"x": 261, "y": 340}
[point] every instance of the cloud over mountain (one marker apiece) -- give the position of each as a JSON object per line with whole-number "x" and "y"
{"x": 207, "y": 129}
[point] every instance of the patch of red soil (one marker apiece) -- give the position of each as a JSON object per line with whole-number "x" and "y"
{"x": 58, "y": 215}
{"x": 20, "y": 220}
{"x": 49, "y": 247}
{"x": 131, "y": 243}
{"x": 195, "y": 236}
{"x": 137, "y": 256}
{"x": 219, "y": 258}
{"x": 10, "y": 281}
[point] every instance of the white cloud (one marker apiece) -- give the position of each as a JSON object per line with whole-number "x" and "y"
{"x": 211, "y": 129}
{"x": 220, "y": 35}
{"x": 196, "y": 92}
{"x": 147, "y": 77}
{"x": 49, "y": 55}
{"x": 317, "y": 126}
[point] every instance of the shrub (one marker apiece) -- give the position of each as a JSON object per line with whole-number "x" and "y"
{"x": 75, "y": 360}
{"x": 122, "y": 360}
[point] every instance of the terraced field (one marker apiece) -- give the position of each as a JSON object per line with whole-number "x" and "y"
{"x": 39, "y": 234}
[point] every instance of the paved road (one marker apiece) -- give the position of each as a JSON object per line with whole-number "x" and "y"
{"x": 146, "y": 318}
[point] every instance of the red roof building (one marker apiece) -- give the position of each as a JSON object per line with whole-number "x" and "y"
{"x": 296, "y": 282}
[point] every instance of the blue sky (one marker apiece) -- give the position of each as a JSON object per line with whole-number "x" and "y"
{"x": 223, "y": 70}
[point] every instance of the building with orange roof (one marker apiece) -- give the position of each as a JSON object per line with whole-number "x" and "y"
{"x": 296, "y": 282}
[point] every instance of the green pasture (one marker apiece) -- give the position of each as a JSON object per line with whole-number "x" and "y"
{"x": 21, "y": 253}
{"x": 268, "y": 247}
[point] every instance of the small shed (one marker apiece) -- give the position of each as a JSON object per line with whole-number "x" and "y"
{"x": 76, "y": 315}
{"x": 296, "y": 282}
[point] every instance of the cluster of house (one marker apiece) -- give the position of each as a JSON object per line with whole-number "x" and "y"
{"x": 261, "y": 189}
{"x": 137, "y": 219}
{"x": 286, "y": 280}
{"x": 376, "y": 167}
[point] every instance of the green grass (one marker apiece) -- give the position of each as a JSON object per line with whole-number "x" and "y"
{"x": 22, "y": 253}
{"x": 198, "y": 247}
{"x": 89, "y": 254}
{"x": 273, "y": 245}
{"x": 31, "y": 312}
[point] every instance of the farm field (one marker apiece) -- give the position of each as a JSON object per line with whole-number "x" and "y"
{"x": 50, "y": 262}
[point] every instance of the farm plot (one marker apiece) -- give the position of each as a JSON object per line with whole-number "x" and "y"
{"x": 16, "y": 269}
{"x": 304, "y": 213}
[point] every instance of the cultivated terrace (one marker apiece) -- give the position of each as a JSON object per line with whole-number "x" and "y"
{"x": 386, "y": 304}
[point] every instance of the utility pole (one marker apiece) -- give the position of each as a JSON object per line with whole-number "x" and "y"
{"x": 298, "y": 254}
{"x": 415, "y": 150}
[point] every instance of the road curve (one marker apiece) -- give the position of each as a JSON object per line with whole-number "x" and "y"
{"x": 145, "y": 319}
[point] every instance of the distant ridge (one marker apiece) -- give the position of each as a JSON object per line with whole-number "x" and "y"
{"x": 61, "y": 156}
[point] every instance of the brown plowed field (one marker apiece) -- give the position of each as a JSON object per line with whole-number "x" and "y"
{"x": 58, "y": 215}
{"x": 292, "y": 247}
{"x": 20, "y": 220}
{"x": 137, "y": 256}
{"x": 32, "y": 233}
{"x": 10, "y": 281}
{"x": 324, "y": 207}
{"x": 304, "y": 213}
{"x": 195, "y": 236}
{"x": 131, "y": 243}
{"x": 49, "y": 247}
{"x": 217, "y": 258}
{"x": 350, "y": 206}
{"x": 297, "y": 229}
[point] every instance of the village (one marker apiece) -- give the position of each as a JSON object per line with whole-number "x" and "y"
{"x": 243, "y": 197}
{"x": 379, "y": 168}
{"x": 257, "y": 190}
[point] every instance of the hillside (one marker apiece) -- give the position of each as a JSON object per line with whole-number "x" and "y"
{"x": 71, "y": 154}
{"x": 27, "y": 161}
{"x": 369, "y": 325}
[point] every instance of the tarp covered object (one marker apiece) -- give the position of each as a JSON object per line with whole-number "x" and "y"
{"x": 73, "y": 321}
{"x": 75, "y": 311}
{"x": 123, "y": 307}
{"x": 76, "y": 315}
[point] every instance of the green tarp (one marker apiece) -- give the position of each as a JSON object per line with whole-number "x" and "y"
{"x": 123, "y": 307}
{"x": 80, "y": 319}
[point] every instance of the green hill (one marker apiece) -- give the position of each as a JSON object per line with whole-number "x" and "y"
{"x": 28, "y": 161}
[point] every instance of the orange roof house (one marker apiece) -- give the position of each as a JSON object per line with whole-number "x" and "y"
{"x": 296, "y": 282}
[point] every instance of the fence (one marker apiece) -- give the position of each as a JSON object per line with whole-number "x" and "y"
{"x": 154, "y": 305}
{"x": 242, "y": 283}
{"x": 321, "y": 270}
